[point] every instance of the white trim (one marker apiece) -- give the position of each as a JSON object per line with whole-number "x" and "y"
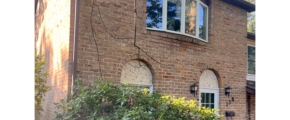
{"x": 251, "y": 45}
{"x": 182, "y": 26}
{"x": 251, "y": 74}
{"x": 197, "y": 19}
{"x": 209, "y": 88}
{"x": 205, "y": 22}
{"x": 151, "y": 89}
{"x": 251, "y": 77}
{"x": 169, "y": 31}
{"x": 164, "y": 15}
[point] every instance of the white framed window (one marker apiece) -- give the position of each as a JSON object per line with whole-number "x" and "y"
{"x": 209, "y": 98}
{"x": 137, "y": 75}
{"x": 142, "y": 86}
{"x": 186, "y": 17}
{"x": 251, "y": 62}
{"x": 209, "y": 90}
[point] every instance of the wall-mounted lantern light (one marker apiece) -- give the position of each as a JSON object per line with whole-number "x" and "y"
{"x": 228, "y": 90}
{"x": 193, "y": 89}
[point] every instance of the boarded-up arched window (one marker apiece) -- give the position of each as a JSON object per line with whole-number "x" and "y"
{"x": 138, "y": 75}
{"x": 208, "y": 79}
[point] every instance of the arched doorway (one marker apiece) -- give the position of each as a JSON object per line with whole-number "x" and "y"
{"x": 209, "y": 90}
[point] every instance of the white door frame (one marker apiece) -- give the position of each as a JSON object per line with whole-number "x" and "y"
{"x": 210, "y": 90}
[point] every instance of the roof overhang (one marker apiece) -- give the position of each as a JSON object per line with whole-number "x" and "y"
{"x": 251, "y": 36}
{"x": 250, "y": 91}
{"x": 251, "y": 87}
{"x": 242, "y": 4}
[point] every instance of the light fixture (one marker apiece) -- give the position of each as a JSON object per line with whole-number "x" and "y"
{"x": 228, "y": 90}
{"x": 193, "y": 89}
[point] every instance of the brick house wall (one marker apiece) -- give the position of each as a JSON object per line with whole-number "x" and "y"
{"x": 251, "y": 98}
{"x": 53, "y": 37}
{"x": 185, "y": 58}
{"x": 225, "y": 53}
{"x": 252, "y": 107}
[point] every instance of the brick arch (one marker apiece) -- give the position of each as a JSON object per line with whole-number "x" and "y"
{"x": 146, "y": 60}
{"x": 215, "y": 70}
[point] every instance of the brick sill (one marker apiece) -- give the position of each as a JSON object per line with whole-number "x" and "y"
{"x": 176, "y": 36}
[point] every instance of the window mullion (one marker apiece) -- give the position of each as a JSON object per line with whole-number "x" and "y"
{"x": 197, "y": 19}
{"x": 247, "y": 60}
{"x": 164, "y": 16}
{"x": 209, "y": 99}
{"x": 207, "y": 10}
{"x": 182, "y": 16}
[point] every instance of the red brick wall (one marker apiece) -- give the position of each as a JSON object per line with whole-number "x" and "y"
{"x": 52, "y": 38}
{"x": 225, "y": 53}
{"x": 252, "y": 107}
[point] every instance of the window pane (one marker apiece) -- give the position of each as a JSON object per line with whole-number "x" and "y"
{"x": 202, "y": 22}
{"x": 190, "y": 17}
{"x": 212, "y": 98}
{"x": 154, "y": 14}
{"x": 173, "y": 15}
{"x": 202, "y": 97}
{"x": 207, "y": 98}
{"x": 206, "y": 105}
{"x": 211, "y": 106}
{"x": 251, "y": 67}
{"x": 251, "y": 57}
{"x": 251, "y": 60}
{"x": 147, "y": 88}
{"x": 251, "y": 53}
{"x": 141, "y": 87}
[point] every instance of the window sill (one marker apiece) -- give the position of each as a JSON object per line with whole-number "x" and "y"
{"x": 251, "y": 77}
{"x": 177, "y": 36}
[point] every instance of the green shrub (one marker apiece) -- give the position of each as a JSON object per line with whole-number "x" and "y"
{"x": 106, "y": 101}
{"x": 39, "y": 82}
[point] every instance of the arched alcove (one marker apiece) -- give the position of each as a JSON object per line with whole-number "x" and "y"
{"x": 133, "y": 73}
{"x": 208, "y": 79}
{"x": 209, "y": 90}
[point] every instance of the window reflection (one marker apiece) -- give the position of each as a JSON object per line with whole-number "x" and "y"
{"x": 251, "y": 60}
{"x": 173, "y": 15}
{"x": 194, "y": 11}
{"x": 154, "y": 14}
{"x": 190, "y": 17}
{"x": 207, "y": 100}
{"x": 202, "y": 20}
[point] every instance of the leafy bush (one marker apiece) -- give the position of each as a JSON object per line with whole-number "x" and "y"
{"x": 40, "y": 81}
{"x": 106, "y": 101}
